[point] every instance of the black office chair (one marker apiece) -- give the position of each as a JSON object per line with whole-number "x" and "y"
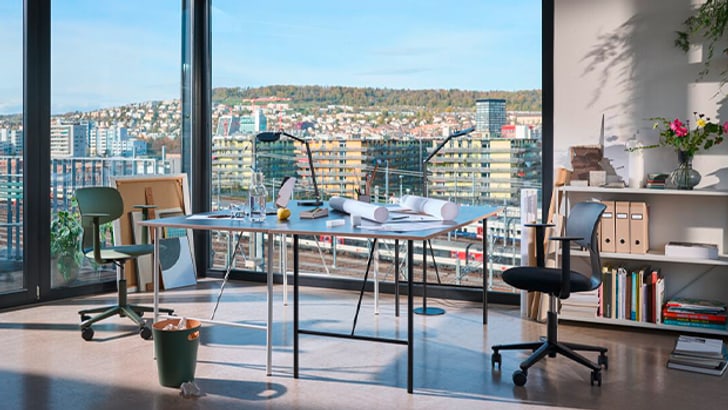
{"x": 98, "y": 205}
{"x": 558, "y": 283}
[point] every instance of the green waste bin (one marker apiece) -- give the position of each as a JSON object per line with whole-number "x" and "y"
{"x": 176, "y": 351}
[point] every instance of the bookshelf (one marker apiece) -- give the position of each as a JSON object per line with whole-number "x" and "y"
{"x": 699, "y": 215}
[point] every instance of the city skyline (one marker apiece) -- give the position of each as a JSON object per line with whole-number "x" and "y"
{"x": 468, "y": 44}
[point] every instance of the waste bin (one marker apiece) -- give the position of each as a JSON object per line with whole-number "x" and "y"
{"x": 176, "y": 351}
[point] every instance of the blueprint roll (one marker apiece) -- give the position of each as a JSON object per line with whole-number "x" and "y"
{"x": 371, "y": 212}
{"x": 444, "y": 210}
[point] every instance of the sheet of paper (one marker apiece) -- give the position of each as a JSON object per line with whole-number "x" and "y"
{"x": 403, "y": 227}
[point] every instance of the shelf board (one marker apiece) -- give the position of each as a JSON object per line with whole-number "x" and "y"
{"x": 655, "y": 256}
{"x": 644, "y": 325}
{"x": 645, "y": 191}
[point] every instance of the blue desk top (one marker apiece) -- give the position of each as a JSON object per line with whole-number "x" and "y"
{"x": 295, "y": 225}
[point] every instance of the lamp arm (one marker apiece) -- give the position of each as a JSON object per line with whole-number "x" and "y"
{"x": 313, "y": 172}
{"x": 446, "y": 140}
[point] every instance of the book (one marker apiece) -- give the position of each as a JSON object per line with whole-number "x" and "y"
{"x": 668, "y": 314}
{"x": 699, "y": 346}
{"x": 696, "y": 305}
{"x": 606, "y": 292}
{"x": 314, "y": 213}
{"x": 691, "y": 250}
{"x": 699, "y": 354}
{"x": 715, "y": 371}
{"x": 694, "y": 324}
{"x": 696, "y": 360}
{"x": 659, "y": 297}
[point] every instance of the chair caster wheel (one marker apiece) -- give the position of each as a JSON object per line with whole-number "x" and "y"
{"x": 519, "y": 377}
{"x": 603, "y": 361}
{"x": 495, "y": 359}
{"x": 145, "y": 332}
{"x": 596, "y": 377}
{"x": 85, "y": 318}
{"x": 87, "y": 333}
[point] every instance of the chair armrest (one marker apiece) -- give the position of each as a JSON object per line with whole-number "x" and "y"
{"x": 540, "y": 234}
{"x": 565, "y": 238}
{"x": 565, "y": 263}
{"x": 537, "y": 225}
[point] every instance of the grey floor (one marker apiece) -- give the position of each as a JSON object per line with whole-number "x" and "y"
{"x": 46, "y": 365}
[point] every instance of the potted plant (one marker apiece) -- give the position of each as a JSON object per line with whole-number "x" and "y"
{"x": 66, "y": 234}
{"x": 707, "y": 26}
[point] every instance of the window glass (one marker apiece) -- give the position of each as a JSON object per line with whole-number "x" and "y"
{"x": 11, "y": 146}
{"x": 115, "y": 111}
{"x": 374, "y": 87}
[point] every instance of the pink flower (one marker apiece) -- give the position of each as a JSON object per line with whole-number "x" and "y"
{"x": 681, "y": 131}
{"x": 725, "y": 127}
{"x": 676, "y": 124}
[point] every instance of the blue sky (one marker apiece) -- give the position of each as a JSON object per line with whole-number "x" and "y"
{"x": 109, "y": 53}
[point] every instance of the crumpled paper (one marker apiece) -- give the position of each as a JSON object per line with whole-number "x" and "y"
{"x": 190, "y": 389}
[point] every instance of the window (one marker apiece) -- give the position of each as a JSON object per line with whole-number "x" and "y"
{"x": 115, "y": 108}
{"x": 382, "y": 83}
{"x": 11, "y": 146}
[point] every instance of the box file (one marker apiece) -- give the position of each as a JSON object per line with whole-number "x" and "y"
{"x": 621, "y": 226}
{"x": 606, "y": 233}
{"x": 639, "y": 238}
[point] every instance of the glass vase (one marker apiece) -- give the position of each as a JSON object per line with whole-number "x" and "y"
{"x": 684, "y": 176}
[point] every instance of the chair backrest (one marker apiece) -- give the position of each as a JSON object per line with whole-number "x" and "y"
{"x": 94, "y": 200}
{"x": 583, "y": 222}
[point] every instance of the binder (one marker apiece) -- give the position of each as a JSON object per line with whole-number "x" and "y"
{"x": 607, "y": 228}
{"x": 639, "y": 236}
{"x": 621, "y": 226}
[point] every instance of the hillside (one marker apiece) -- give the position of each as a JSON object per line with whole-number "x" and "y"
{"x": 524, "y": 100}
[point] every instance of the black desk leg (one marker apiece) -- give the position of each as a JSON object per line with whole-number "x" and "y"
{"x": 424, "y": 310}
{"x": 485, "y": 271}
{"x": 295, "y": 306}
{"x": 396, "y": 277}
{"x": 410, "y": 315}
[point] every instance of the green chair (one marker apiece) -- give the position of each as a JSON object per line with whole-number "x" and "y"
{"x": 98, "y": 205}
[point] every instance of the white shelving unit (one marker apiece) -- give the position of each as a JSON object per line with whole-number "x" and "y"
{"x": 674, "y": 215}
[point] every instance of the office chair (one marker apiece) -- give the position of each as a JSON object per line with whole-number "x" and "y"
{"x": 98, "y": 205}
{"x": 558, "y": 283}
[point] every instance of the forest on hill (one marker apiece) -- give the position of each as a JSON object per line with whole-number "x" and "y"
{"x": 523, "y": 100}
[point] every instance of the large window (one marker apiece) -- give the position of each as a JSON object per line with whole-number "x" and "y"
{"x": 375, "y": 86}
{"x": 11, "y": 146}
{"x": 115, "y": 110}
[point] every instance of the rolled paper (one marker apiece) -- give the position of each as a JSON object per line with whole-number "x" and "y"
{"x": 371, "y": 212}
{"x": 438, "y": 208}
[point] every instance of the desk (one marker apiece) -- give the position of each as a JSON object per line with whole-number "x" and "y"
{"x": 296, "y": 227}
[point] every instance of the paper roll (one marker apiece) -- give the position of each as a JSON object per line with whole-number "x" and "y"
{"x": 438, "y": 208}
{"x": 372, "y": 212}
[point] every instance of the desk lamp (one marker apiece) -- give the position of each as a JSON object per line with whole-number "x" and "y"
{"x": 270, "y": 136}
{"x": 424, "y": 310}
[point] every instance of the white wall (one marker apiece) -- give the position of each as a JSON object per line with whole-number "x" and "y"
{"x": 616, "y": 58}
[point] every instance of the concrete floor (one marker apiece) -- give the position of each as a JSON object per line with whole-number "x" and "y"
{"x": 47, "y": 365}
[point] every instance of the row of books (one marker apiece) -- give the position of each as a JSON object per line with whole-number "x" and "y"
{"x": 700, "y": 355}
{"x": 631, "y": 294}
{"x": 639, "y": 295}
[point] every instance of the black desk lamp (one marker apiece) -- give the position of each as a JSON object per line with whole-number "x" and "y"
{"x": 424, "y": 310}
{"x": 270, "y": 136}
